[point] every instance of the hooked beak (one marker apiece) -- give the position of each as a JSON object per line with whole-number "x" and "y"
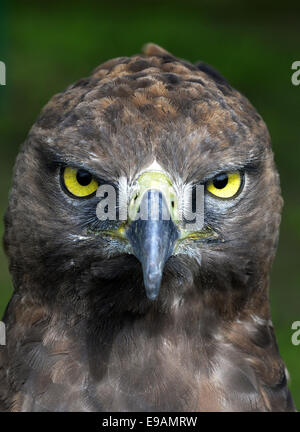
{"x": 152, "y": 231}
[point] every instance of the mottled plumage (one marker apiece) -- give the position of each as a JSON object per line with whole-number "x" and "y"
{"x": 81, "y": 333}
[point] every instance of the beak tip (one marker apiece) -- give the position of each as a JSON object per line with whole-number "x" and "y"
{"x": 152, "y": 287}
{"x": 152, "y": 294}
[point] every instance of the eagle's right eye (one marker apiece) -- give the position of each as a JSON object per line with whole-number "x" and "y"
{"x": 78, "y": 182}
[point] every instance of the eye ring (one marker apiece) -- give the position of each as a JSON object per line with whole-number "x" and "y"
{"x": 226, "y": 185}
{"x": 78, "y": 183}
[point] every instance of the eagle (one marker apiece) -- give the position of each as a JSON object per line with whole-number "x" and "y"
{"x": 132, "y": 313}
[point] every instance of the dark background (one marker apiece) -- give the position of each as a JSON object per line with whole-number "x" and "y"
{"x": 48, "y": 45}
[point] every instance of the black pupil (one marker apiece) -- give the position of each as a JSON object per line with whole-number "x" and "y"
{"x": 83, "y": 177}
{"x": 220, "y": 181}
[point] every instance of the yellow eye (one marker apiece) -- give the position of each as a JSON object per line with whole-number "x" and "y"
{"x": 225, "y": 185}
{"x": 79, "y": 182}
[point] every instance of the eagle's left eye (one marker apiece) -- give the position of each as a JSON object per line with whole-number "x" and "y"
{"x": 78, "y": 182}
{"x": 225, "y": 185}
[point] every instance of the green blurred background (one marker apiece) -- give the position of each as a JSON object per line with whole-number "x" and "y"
{"x": 48, "y": 45}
